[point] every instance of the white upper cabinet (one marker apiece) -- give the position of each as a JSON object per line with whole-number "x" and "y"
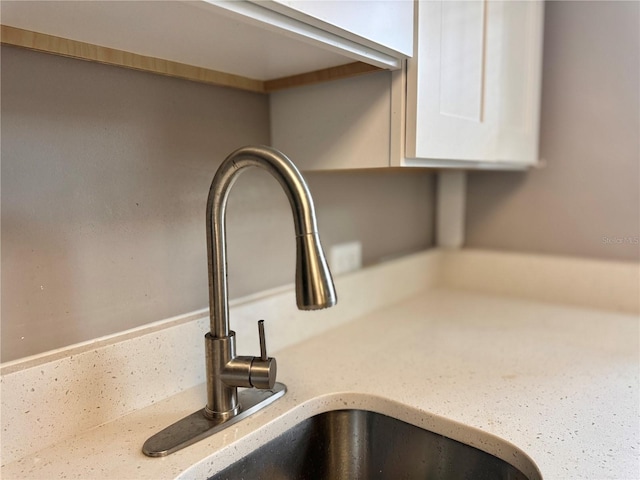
{"x": 256, "y": 40}
{"x": 469, "y": 97}
{"x": 473, "y": 90}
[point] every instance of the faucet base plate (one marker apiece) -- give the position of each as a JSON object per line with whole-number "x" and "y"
{"x": 197, "y": 426}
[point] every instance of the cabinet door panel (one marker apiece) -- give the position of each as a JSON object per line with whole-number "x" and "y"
{"x": 462, "y": 60}
{"x": 449, "y": 114}
{"x": 473, "y": 89}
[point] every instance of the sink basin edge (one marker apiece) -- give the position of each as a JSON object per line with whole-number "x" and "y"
{"x": 284, "y": 421}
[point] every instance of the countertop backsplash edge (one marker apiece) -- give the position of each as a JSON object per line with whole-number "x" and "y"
{"x": 56, "y": 395}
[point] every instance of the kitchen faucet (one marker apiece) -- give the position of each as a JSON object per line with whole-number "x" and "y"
{"x": 225, "y": 371}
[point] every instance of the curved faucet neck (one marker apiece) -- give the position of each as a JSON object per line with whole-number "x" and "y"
{"x": 302, "y": 208}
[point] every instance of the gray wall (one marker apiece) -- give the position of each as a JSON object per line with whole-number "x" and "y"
{"x": 586, "y": 201}
{"x": 105, "y": 173}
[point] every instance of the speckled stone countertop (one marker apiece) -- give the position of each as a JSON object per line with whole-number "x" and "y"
{"x": 513, "y": 376}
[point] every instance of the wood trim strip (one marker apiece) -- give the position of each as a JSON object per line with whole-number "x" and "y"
{"x": 319, "y": 76}
{"x": 43, "y": 42}
{"x": 85, "y": 51}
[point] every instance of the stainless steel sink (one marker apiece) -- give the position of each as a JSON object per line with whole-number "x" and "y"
{"x": 359, "y": 444}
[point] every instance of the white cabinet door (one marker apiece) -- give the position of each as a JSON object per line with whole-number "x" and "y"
{"x": 387, "y": 24}
{"x": 473, "y": 89}
{"x": 449, "y": 115}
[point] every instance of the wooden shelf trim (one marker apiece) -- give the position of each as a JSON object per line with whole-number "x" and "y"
{"x": 42, "y": 42}
{"x": 324, "y": 75}
{"x": 85, "y": 51}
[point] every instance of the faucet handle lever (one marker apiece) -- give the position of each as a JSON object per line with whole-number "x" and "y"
{"x": 262, "y": 372}
{"x": 263, "y": 342}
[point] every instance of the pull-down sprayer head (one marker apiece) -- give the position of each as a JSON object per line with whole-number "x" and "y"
{"x": 314, "y": 286}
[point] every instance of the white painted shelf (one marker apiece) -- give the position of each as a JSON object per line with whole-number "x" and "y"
{"x": 238, "y": 37}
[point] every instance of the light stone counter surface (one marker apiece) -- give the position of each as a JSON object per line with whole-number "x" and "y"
{"x": 558, "y": 382}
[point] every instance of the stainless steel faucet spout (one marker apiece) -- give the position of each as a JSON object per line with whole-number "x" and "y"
{"x": 314, "y": 286}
